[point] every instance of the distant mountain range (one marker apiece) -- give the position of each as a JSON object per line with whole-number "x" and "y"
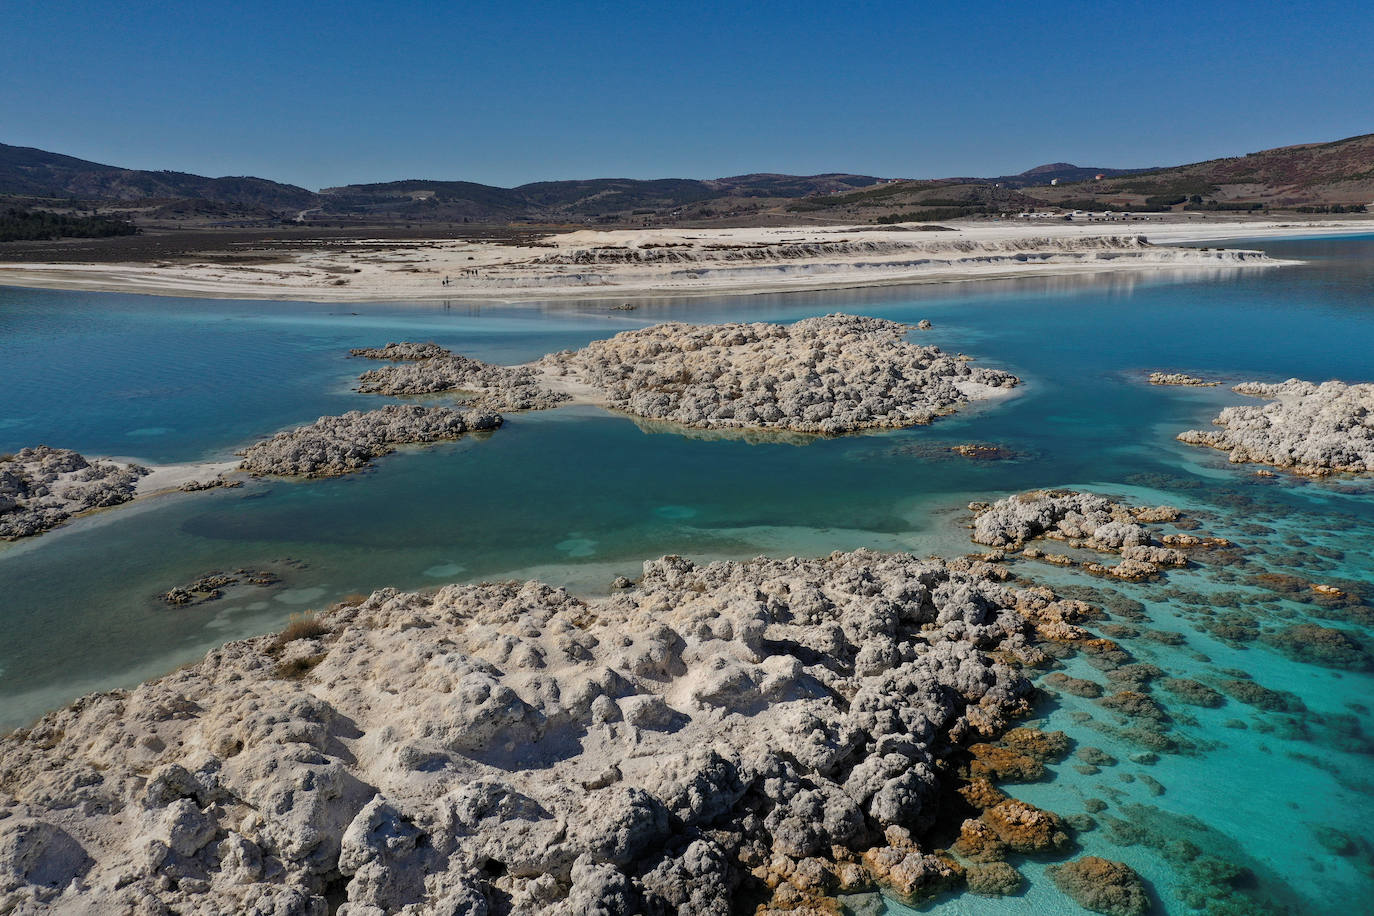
{"x": 1321, "y": 173}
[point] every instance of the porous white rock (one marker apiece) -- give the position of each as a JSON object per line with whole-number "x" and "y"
{"x": 42, "y": 487}
{"x": 501, "y": 387}
{"x": 1084, "y": 520}
{"x": 337, "y": 445}
{"x": 455, "y": 752}
{"x": 1180, "y": 378}
{"x": 403, "y": 350}
{"x": 1307, "y": 428}
{"x": 832, "y": 374}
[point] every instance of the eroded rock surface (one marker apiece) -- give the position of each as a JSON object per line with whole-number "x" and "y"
{"x": 780, "y": 727}
{"x": 42, "y": 487}
{"x": 1180, "y": 378}
{"x": 832, "y": 374}
{"x": 1085, "y": 520}
{"x": 403, "y": 350}
{"x": 1306, "y": 428}
{"x": 332, "y": 446}
{"x": 500, "y": 387}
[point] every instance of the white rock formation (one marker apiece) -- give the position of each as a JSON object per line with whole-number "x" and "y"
{"x": 338, "y": 445}
{"x": 501, "y": 387}
{"x": 1306, "y": 428}
{"x": 510, "y": 748}
{"x": 42, "y": 487}
{"x": 1180, "y": 378}
{"x": 833, "y": 374}
{"x": 403, "y": 350}
{"x": 1084, "y": 520}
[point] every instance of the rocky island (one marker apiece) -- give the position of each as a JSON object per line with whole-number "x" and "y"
{"x": 829, "y": 375}
{"x": 403, "y": 350}
{"x": 1181, "y": 379}
{"x": 771, "y": 730}
{"x": 332, "y": 446}
{"x": 1308, "y": 428}
{"x": 499, "y": 387}
{"x": 42, "y": 487}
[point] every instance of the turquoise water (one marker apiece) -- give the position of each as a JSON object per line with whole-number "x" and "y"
{"x": 577, "y": 496}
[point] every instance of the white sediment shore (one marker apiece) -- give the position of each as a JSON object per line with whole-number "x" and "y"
{"x": 591, "y": 264}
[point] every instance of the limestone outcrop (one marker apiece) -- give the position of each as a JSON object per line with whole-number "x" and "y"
{"x": 42, "y": 487}
{"x": 832, "y": 374}
{"x": 1310, "y": 429}
{"x": 1180, "y": 378}
{"x": 500, "y": 387}
{"x": 405, "y": 349}
{"x": 332, "y": 446}
{"x": 770, "y": 727}
{"x": 1085, "y": 520}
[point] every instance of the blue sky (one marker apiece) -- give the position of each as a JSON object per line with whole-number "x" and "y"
{"x": 320, "y": 94}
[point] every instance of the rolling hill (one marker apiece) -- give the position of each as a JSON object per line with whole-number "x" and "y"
{"x": 1318, "y": 176}
{"x": 25, "y": 171}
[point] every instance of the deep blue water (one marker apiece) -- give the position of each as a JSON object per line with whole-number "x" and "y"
{"x": 577, "y": 496}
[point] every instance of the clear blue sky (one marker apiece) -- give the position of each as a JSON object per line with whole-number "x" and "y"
{"x": 320, "y": 94}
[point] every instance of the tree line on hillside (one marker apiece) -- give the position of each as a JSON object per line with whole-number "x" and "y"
{"x": 17, "y": 225}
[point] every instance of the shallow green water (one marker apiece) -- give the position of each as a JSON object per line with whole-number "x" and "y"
{"x": 577, "y": 496}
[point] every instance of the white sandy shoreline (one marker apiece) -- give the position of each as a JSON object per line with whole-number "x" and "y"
{"x": 658, "y": 263}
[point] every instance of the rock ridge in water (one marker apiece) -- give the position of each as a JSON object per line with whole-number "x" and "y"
{"x": 781, "y": 728}
{"x": 1310, "y": 429}
{"x": 332, "y": 446}
{"x": 832, "y": 374}
{"x": 1180, "y": 378}
{"x": 401, "y": 351}
{"x": 1089, "y": 521}
{"x": 501, "y": 387}
{"x": 42, "y": 487}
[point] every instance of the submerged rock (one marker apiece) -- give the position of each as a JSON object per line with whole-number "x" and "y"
{"x": 1102, "y": 886}
{"x": 832, "y": 374}
{"x": 332, "y": 446}
{"x": 1306, "y": 428}
{"x": 1319, "y": 645}
{"x": 780, "y": 724}
{"x": 42, "y": 487}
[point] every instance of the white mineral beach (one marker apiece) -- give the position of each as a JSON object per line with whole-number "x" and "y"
{"x": 589, "y": 264}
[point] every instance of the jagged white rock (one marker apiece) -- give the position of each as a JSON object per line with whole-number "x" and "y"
{"x": 1180, "y": 378}
{"x": 832, "y": 374}
{"x": 1083, "y": 520}
{"x": 510, "y": 745}
{"x": 42, "y": 487}
{"x": 332, "y": 446}
{"x": 1310, "y": 429}
{"x": 502, "y": 387}
{"x": 403, "y": 350}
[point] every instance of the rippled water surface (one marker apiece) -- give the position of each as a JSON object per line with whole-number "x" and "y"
{"x": 577, "y": 496}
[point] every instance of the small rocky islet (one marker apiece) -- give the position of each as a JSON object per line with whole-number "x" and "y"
{"x": 42, "y": 487}
{"x": 827, "y": 375}
{"x": 1310, "y": 429}
{"x": 332, "y": 446}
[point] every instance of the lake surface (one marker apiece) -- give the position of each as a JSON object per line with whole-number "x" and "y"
{"x": 577, "y": 496}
